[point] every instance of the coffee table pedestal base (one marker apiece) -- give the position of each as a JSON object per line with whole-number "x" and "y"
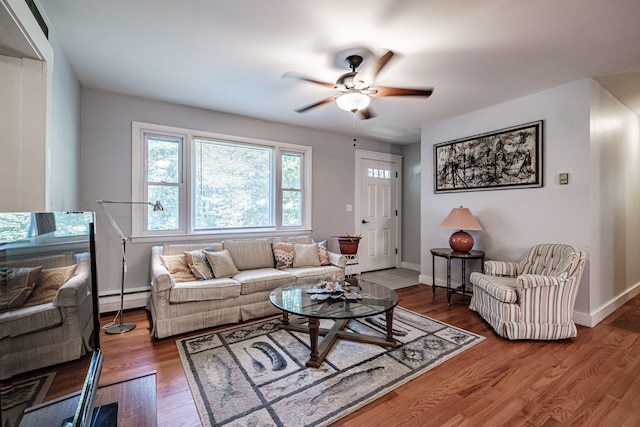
{"x": 331, "y": 336}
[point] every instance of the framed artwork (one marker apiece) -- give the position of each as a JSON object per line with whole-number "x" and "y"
{"x": 506, "y": 158}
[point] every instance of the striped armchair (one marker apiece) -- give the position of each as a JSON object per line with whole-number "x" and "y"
{"x": 531, "y": 299}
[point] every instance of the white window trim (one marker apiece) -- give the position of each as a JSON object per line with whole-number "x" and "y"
{"x": 138, "y": 190}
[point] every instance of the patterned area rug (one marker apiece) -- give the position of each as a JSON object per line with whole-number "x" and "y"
{"x": 255, "y": 374}
{"x": 21, "y": 395}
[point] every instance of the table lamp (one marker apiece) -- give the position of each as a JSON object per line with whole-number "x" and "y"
{"x": 461, "y": 219}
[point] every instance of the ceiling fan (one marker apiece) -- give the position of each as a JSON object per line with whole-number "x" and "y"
{"x": 356, "y": 87}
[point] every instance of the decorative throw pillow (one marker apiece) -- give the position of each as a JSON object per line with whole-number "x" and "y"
{"x": 283, "y": 254}
{"x": 18, "y": 287}
{"x": 323, "y": 253}
{"x": 306, "y": 255}
{"x": 178, "y": 267}
{"x": 198, "y": 264}
{"x": 51, "y": 279}
{"x": 221, "y": 263}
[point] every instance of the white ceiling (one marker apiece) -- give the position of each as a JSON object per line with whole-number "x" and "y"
{"x": 230, "y": 55}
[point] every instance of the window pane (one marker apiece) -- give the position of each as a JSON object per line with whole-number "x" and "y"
{"x": 291, "y": 208}
{"x": 232, "y": 185}
{"x": 291, "y": 171}
{"x": 68, "y": 224}
{"x": 163, "y": 160}
{"x": 169, "y": 197}
{"x": 14, "y": 226}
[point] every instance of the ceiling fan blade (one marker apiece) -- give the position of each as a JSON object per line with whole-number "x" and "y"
{"x": 398, "y": 91}
{"x": 316, "y": 104}
{"x": 380, "y": 64}
{"x": 365, "y": 79}
{"x": 297, "y": 76}
{"x": 367, "y": 113}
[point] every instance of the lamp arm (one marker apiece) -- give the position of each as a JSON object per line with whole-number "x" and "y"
{"x": 111, "y": 220}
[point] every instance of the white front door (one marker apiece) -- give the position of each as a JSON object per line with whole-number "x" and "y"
{"x": 377, "y": 209}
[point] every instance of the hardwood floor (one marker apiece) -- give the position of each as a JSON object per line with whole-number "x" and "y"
{"x": 591, "y": 380}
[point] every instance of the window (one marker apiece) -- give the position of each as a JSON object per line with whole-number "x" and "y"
{"x": 210, "y": 183}
{"x": 25, "y": 226}
{"x": 163, "y": 180}
{"x": 232, "y": 185}
{"x": 292, "y": 191}
{"x": 379, "y": 173}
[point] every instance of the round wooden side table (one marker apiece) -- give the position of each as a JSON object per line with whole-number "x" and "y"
{"x": 450, "y": 254}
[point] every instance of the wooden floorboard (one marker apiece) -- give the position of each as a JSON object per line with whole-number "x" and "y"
{"x": 591, "y": 380}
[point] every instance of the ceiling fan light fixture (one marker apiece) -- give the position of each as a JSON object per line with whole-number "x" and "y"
{"x": 353, "y": 101}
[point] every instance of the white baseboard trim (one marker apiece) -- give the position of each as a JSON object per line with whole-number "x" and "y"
{"x": 410, "y": 266}
{"x": 133, "y": 298}
{"x": 598, "y": 315}
{"x": 425, "y": 279}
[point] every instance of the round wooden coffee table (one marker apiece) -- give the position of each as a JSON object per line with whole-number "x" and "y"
{"x": 295, "y": 299}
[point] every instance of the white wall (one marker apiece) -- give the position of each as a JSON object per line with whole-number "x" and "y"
{"x": 63, "y": 149}
{"x": 589, "y": 213}
{"x": 39, "y": 115}
{"x": 106, "y": 173}
{"x": 411, "y": 177}
{"x": 615, "y": 189}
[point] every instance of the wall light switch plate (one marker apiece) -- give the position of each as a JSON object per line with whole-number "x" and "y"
{"x": 563, "y": 179}
{"x": 349, "y": 208}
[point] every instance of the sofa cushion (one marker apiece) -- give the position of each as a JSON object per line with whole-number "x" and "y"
{"x": 323, "y": 272}
{"x": 29, "y": 319}
{"x": 263, "y": 279}
{"x": 306, "y": 255}
{"x": 250, "y": 254}
{"x": 221, "y": 263}
{"x": 178, "y": 267}
{"x": 198, "y": 264}
{"x": 45, "y": 262}
{"x": 323, "y": 252}
{"x": 19, "y": 284}
{"x": 204, "y": 290}
{"x": 501, "y": 288}
{"x": 283, "y": 254}
{"x": 51, "y": 279}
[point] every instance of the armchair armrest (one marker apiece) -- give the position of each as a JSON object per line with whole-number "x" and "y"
{"x": 338, "y": 260}
{"x": 501, "y": 268}
{"x": 529, "y": 281}
{"x": 75, "y": 290}
{"x": 161, "y": 280}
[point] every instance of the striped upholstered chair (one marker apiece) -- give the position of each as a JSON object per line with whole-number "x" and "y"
{"x": 531, "y": 299}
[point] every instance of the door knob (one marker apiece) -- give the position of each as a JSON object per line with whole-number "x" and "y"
{"x": 365, "y": 222}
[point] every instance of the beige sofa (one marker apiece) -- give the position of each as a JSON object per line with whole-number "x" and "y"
{"x": 244, "y": 274}
{"x": 53, "y": 322}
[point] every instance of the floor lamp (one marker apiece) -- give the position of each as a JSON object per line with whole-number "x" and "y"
{"x": 121, "y": 327}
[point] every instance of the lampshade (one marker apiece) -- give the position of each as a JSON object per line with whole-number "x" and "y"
{"x": 461, "y": 219}
{"x": 353, "y": 101}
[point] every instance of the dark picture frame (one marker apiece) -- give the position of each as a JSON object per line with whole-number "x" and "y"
{"x": 503, "y": 159}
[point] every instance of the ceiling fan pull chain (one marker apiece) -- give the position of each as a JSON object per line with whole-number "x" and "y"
{"x": 354, "y": 128}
